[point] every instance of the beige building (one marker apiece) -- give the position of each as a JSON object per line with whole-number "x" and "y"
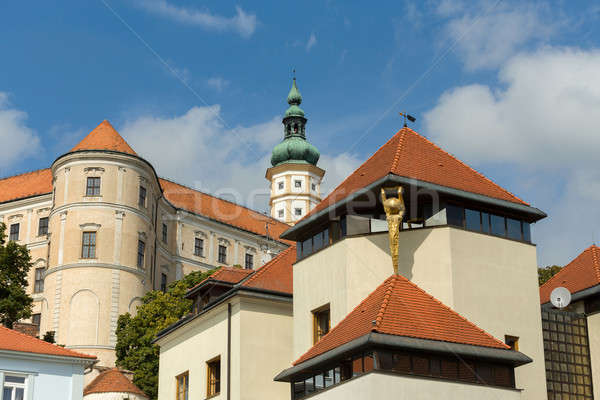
{"x": 103, "y": 229}
{"x": 294, "y": 176}
{"x": 459, "y": 319}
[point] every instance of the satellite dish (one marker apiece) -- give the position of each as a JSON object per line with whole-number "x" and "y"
{"x": 560, "y": 297}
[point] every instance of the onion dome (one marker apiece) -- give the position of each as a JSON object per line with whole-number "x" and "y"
{"x": 294, "y": 148}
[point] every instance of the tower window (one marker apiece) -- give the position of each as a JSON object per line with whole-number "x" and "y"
{"x": 163, "y": 282}
{"x": 280, "y": 213}
{"x": 38, "y": 286}
{"x": 14, "y": 232}
{"x": 88, "y": 247}
{"x": 199, "y": 247}
{"x": 43, "y": 226}
{"x": 249, "y": 261}
{"x": 298, "y": 183}
{"x": 313, "y": 186}
{"x": 222, "y": 254}
{"x": 141, "y": 253}
{"x": 142, "y": 197}
{"x": 298, "y": 211}
{"x": 93, "y": 186}
{"x": 165, "y": 233}
{"x": 280, "y": 185}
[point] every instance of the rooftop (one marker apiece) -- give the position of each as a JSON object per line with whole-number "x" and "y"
{"x": 112, "y": 381}
{"x": 104, "y": 137}
{"x": 581, "y": 273}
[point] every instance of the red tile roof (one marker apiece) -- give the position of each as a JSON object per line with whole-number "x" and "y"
{"x": 231, "y": 275}
{"x": 114, "y": 381}
{"x": 15, "y": 341}
{"x": 221, "y": 210}
{"x": 276, "y": 275}
{"x": 26, "y": 185}
{"x": 104, "y": 137}
{"x": 399, "y": 307}
{"x": 410, "y": 155}
{"x": 581, "y": 273}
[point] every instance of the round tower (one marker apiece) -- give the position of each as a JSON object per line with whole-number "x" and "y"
{"x": 101, "y": 253}
{"x": 294, "y": 175}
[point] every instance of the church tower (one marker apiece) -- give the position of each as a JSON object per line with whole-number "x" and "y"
{"x": 294, "y": 175}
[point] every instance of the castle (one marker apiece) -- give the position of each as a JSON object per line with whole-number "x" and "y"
{"x": 103, "y": 229}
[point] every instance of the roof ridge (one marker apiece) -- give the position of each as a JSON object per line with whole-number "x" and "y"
{"x": 47, "y": 344}
{"x": 221, "y": 199}
{"x": 399, "y": 148}
{"x": 24, "y": 173}
{"x": 454, "y": 312}
{"x": 468, "y": 166}
{"x": 595, "y": 260}
{"x": 384, "y": 304}
{"x": 262, "y": 269}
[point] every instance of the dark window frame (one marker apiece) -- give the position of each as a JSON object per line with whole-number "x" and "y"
{"x": 14, "y": 232}
{"x": 88, "y": 245}
{"x": 249, "y": 261}
{"x": 222, "y": 254}
{"x": 142, "y": 193}
{"x": 43, "y": 226}
{"x": 199, "y": 247}
{"x": 141, "y": 254}
{"x": 165, "y": 233}
{"x": 38, "y": 285}
{"x": 93, "y": 186}
{"x": 163, "y": 282}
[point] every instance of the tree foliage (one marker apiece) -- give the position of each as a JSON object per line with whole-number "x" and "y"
{"x": 15, "y": 263}
{"x": 544, "y": 274}
{"x": 135, "y": 334}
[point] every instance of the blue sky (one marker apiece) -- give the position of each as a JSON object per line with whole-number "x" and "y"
{"x": 199, "y": 88}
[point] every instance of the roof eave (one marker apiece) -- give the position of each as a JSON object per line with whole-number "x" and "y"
{"x": 580, "y": 295}
{"x": 533, "y": 212}
{"x": 375, "y": 339}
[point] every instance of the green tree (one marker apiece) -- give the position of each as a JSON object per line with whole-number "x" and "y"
{"x": 15, "y": 263}
{"x": 544, "y": 274}
{"x": 135, "y": 334}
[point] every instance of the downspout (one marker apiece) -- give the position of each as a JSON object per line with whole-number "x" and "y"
{"x": 228, "y": 351}
{"x": 155, "y": 240}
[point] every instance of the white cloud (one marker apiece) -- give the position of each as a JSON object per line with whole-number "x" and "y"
{"x": 242, "y": 23}
{"x": 218, "y": 83}
{"x": 488, "y": 34}
{"x": 312, "y": 41}
{"x": 17, "y": 139}
{"x": 543, "y": 116}
{"x": 196, "y": 149}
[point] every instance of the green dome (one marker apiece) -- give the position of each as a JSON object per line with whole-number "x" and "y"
{"x": 294, "y": 96}
{"x": 295, "y": 150}
{"x": 294, "y": 111}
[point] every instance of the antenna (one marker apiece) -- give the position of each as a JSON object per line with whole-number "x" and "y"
{"x": 560, "y": 297}
{"x": 407, "y": 117}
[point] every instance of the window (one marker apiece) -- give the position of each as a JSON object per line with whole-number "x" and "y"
{"x": 14, "y": 232}
{"x": 321, "y": 323}
{"x": 313, "y": 186}
{"x": 512, "y": 342}
{"x": 280, "y": 213}
{"x": 14, "y": 387}
{"x": 222, "y": 254}
{"x": 280, "y": 185}
{"x": 473, "y": 220}
{"x": 298, "y": 183}
{"x": 513, "y": 229}
{"x": 93, "y": 186}
{"x": 38, "y": 286}
{"x": 199, "y": 247}
{"x": 183, "y": 385}
{"x": 163, "y": 282}
{"x": 297, "y": 211}
{"x": 43, "y": 226}
{"x": 140, "y": 254}
{"x": 213, "y": 381}
{"x": 454, "y": 215}
{"x": 249, "y": 261}
{"x": 88, "y": 247}
{"x": 164, "y": 233}
{"x": 142, "y": 197}
{"x": 36, "y": 319}
{"x": 497, "y": 224}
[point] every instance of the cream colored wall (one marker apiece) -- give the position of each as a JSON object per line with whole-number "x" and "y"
{"x": 291, "y": 197}
{"x": 593, "y": 322}
{"x": 191, "y": 346}
{"x": 377, "y": 385}
{"x": 266, "y": 338}
{"x": 341, "y": 275}
{"x": 489, "y": 280}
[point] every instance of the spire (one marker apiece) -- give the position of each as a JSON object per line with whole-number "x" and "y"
{"x": 294, "y": 148}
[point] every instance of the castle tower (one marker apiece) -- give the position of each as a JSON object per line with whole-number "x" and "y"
{"x": 294, "y": 175}
{"x": 102, "y": 243}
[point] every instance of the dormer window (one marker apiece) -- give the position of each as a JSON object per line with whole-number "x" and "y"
{"x": 93, "y": 186}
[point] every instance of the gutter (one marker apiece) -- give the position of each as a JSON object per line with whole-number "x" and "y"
{"x": 380, "y": 340}
{"x": 521, "y": 208}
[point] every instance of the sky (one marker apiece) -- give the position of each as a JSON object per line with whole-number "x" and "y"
{"x": 198, "y": 88}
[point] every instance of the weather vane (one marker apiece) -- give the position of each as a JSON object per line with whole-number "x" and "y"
{"x": 407, "y": 117}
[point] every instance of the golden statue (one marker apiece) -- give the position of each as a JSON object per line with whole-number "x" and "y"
{"x": 394, "y": 211}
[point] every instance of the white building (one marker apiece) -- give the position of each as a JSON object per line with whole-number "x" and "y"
{"x": 31, "y": 369}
